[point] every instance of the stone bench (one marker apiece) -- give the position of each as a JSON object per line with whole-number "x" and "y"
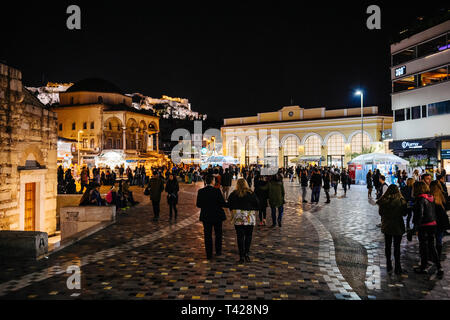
{"x": 77, "y": 219}
{"x": 23, "y": 245}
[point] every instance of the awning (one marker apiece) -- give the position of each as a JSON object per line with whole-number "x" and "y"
{"x": 308, "y": 159}
{"x": 379, "y": 158}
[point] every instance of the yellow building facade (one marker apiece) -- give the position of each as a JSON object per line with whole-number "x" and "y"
{"x": 295, "y": 135}
{"x": 103, "y": 122}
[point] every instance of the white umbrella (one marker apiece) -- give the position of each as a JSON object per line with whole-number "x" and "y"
{"x": 374, "y": 158}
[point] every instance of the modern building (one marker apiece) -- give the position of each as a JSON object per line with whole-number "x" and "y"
{"x": 28, "y": 146}
{"x": 421, "y": 96}
{"x": 108, "y": 130}
{"x": 316, "y": 135}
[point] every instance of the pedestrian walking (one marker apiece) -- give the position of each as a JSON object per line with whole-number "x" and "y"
{"x": 407, "y": 192}
{"x": 276, "y": 198}
{"x": 155, "y": 188}
{"x": 344, "y": 180}
{"x": 304, "y": 184}
{"x": 211, "y": 202}
{"x": 442, "y": 221}
{"x": 227, "y": 178}
{"x": 172, "y": 189}
{"x": 369, "y": 183}
{"x": 262, "y": 192}
{"x": 335, "y": 178}
{"x": 392, "y": 208}
{"x": 425, "y": 224}
{"x": 326, "y": 184}
{"x": 243, "y": 204}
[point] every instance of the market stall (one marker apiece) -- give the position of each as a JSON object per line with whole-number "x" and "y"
{"x": 388, "y": 164}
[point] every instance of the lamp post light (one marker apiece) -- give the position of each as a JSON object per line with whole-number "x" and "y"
{"x": 79, "y": 165}
{"x": 360, "y": 93}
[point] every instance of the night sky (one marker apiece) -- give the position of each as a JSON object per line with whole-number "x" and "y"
{"x": 227, "y": 59}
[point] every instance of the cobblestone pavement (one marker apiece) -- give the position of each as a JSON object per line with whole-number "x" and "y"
{"x": 322, "y": 251}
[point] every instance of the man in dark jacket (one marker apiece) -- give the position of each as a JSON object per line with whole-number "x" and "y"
{"x": 316, "y": 185}
{"x": 156, "y": 187}
{"x": 304, "y": 184}
{"x": 211, "y": 202}
{"x": 226, "y": 183}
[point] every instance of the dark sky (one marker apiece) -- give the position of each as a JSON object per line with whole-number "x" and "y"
{"x": 227, "y": 59}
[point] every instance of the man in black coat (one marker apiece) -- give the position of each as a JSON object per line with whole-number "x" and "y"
{"x": 211, "y": 202}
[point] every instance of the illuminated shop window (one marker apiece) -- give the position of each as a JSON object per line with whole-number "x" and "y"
{"x": 271, "y": 147}
{"x": 312, "y": 146}
{"x": 290, "y": 147}
{"x": 356, "y": 142}
{"x": 336, "y": 145}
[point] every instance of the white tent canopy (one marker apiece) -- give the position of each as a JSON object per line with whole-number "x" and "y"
{"x": 379, "y": 158}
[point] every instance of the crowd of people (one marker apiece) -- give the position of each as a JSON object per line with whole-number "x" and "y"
{"x": 424, "y": 201}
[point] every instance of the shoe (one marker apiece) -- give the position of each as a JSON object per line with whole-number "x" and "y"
{"x": 327, "y": 201}
{"x": 218, "y": 254}
{"x": 440, "y": 273}
{"x": 279, "y": 224}
{"x": 247, "y": 258}
{"x": 398, "y": 270}
{"x": 241, "y": 260}
{"x": 304, "y": 201}
{"x": 273, "y": 226}
{"x": 420, "y": 270}
{"x": 389, "y": 267}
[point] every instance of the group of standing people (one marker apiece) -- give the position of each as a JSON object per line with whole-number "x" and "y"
{"x": 424, "y": 201}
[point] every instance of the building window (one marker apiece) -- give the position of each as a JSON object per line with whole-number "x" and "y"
{"x": 439, "y": 108}
{"x": 433, "y": 76}
{"x": 312, "y": 146}
{"x": 84, "y": 125}
{"x": 251, "y": 150}
{"x": 404, "y": 56}
{"x": 234, "y": 149}
{"x": 74, "y": 126}
{"x": 271, "y": 147}
{"x": 415, "y": 112}
{"x": 118, "y": 144}
{"x": 85, "y": 143}
{"x": 290, "y": 147}
{"x": 424, "y": 111}
{"x": 399, "y": 115}
{"x": 109, "y": 144}
{"x": 408, "y": 113}
{"x": 60, "y": 127}
{"x": 431, "y": 46}
{"x": 92, "y": 125}
{"x": 407, "y": 83}
{"x": 356, "y": 142}
{"x": 92, "y": 144}
{"x": 110, "y": 126}
{"x": 336, "y": 145}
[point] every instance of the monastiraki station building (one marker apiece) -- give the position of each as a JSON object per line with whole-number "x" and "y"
{"x": 316, "y": 135}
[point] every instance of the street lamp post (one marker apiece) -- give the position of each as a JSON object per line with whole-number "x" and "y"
{"x": 362, "y": 119}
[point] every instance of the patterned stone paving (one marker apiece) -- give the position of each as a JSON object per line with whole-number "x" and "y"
{"x": 323, "y": 251}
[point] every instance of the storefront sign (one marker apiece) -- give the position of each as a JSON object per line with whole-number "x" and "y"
{"x": 411, "y": 145}
{"x": 445, "y": 154}
{"x": 400, "y": 71}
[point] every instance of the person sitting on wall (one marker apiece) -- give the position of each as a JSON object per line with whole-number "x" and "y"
{"x": 71, "y": 187}
{"x": 91, "y": 196}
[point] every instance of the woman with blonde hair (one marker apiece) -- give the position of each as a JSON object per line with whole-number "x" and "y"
{"x": 441, "y": 214}
{"x": 243, "y": 204}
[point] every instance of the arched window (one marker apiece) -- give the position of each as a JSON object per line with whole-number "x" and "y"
{"x": 312, "y": 146}
{"x": 234, "y": 148}
{"x": 290, "y": 147}
{"x": 356, "y": 142}
{"x": 271, "y": 147}
{"x": 336, "y": 145}
{"x": 251, "y": 151}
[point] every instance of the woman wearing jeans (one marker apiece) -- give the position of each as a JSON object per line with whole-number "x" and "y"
{"x": 243, "y": 203}
{"x": 392, "y": 209}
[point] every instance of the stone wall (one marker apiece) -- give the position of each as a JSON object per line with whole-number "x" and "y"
{"x": 28, "y": 135}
